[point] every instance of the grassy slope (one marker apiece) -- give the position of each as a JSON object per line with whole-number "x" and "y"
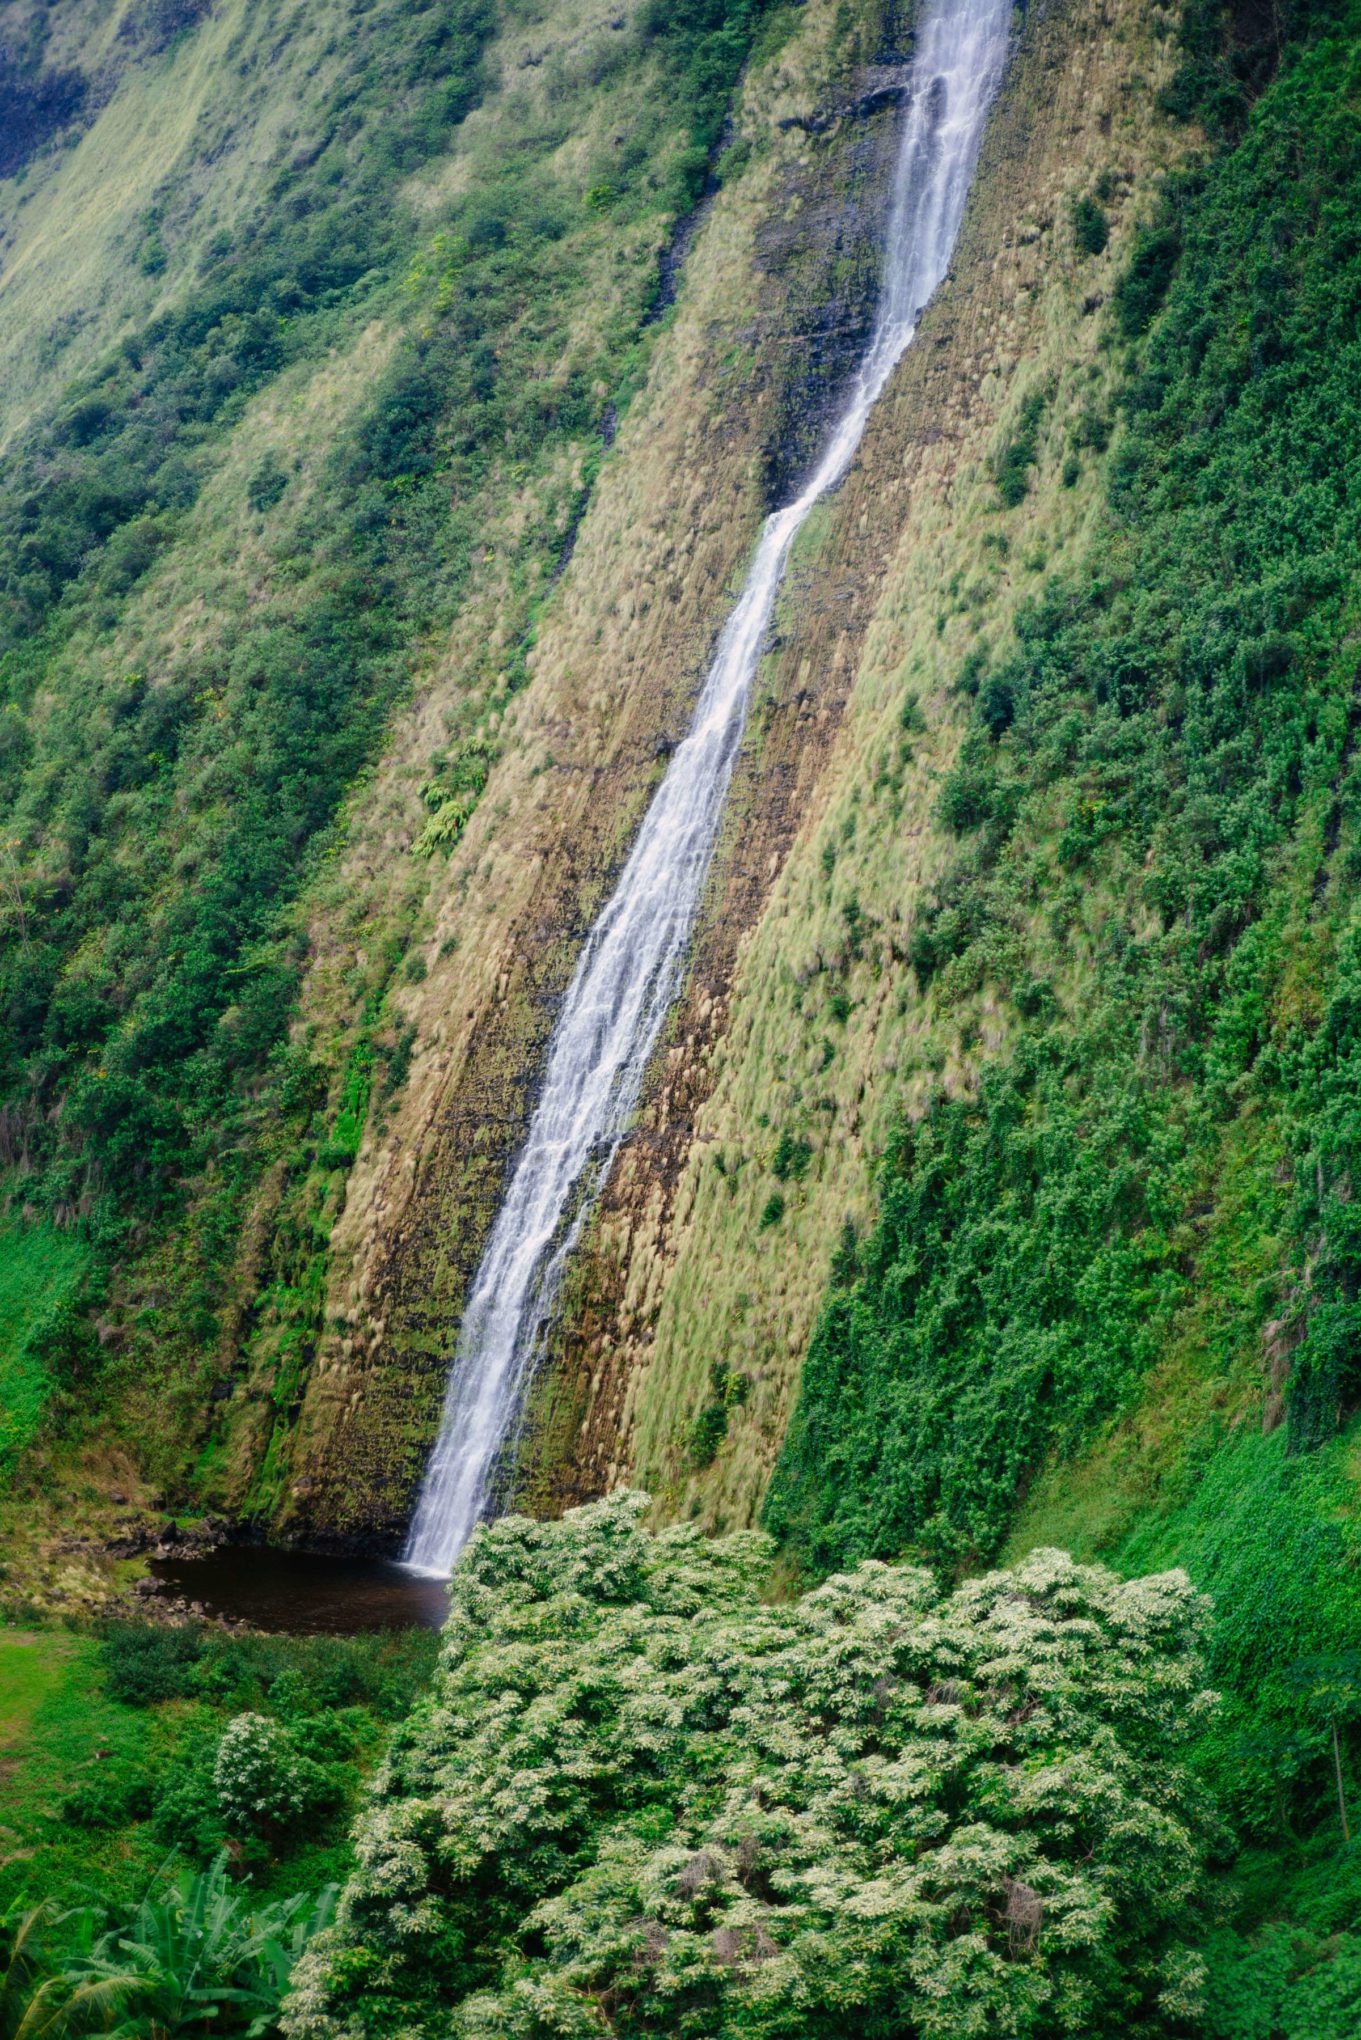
{"x": 181, "y": 136}
{"x": 40, "y": 1268}
{"x": 1163, "y": 767}
{"x": 102, "y": 1793}
{"x": 619, "y": 642}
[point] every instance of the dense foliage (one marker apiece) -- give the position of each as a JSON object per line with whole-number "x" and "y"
{"x": 643, "y": 1801}
{"x": 168, "y": 795}
{"x": 1145, "y": 1210}
{"x": 193, "y": 1957}
{"x": 194, "y": 1740}
{"x": 1163, "y": 775}
{"x": 175, "y": 1815}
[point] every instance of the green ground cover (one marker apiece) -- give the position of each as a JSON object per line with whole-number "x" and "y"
{"x": 40, "y": 1273}
{"x": 144, "y": 1755}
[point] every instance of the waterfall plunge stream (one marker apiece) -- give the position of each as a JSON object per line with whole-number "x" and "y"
{"x": 630, "y": 969}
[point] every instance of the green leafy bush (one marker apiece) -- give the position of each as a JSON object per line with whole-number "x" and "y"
{"x": 1011, "y": 469}
{"x": 1091, "y": 229}
{"x": 646, "y": 1801}
{"x": 266, "y": 1781}
{"x": 115, "y": 1795}
{"x": 186, "y": 1813}
{"x": 728, "y": 1390}
{"x": 148, "y": 1662}
{"x": 193, "y": 1957}
{"x": 1143, "y": 286}
{"x": 793, "y": 1153}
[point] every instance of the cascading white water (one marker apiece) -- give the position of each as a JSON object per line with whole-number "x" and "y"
{"x": 629, "y": 971}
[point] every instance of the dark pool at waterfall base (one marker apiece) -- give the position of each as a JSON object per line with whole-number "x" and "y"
{"x": 303, "y": 1592}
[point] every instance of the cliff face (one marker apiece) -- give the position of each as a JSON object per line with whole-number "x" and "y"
{"x": 805, "y": 1035}
{"x": 406, "y": 411}
{"x": 679, "y": 1275}
{"x": 322, "y": 324}
{"x": 390, "y": 394}
{"x": 474, "y": 553}
{"x": 774, "y": 297}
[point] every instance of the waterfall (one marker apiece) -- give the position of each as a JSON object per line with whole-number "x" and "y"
{"x": 630, "y": 969}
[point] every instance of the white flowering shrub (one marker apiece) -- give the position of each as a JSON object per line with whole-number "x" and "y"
{"x": 642, "y": 1801}
{"x": 260, "y": 1781}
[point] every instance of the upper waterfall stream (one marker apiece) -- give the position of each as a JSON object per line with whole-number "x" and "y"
{"x": 630, "y": 969}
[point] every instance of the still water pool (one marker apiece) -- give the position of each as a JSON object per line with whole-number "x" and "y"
{"x": 302, "y": 1591}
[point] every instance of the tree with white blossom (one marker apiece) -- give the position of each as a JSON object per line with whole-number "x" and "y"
{"x": 642, "y": 1800}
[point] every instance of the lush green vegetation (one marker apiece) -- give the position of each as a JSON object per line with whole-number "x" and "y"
{"x": 642, "y": 1800}
{"x": 40, "y": 1272}
{"x": 1158, "y": 819}
{"x": 644, "y": 1796}
{"x": 123, "y": 1053}
{"x": 1163, "y": 770}
{"x": 200, "y": 1784}
{"x": 193, "y": 1957}
{"x": 167, "y": 798}
{"x": 1276, "y": 1540}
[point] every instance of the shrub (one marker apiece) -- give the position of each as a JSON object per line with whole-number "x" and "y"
{"x": 265, "y": 1783}
{"x": 267, "y": 484}
{"x": 707, "y": 1433}
{"x": 144, "y": 1663}
{"x": 112, "y": 1797}
{"x": 728, "y": 1391}
{"x": 1140, "y": 292}
{"x": 1011, "y": 468}
{"x": 968, "y": 794}
{"x": 1091, "y": 230}
{"x": 186, "y": 1812}
{"x": 791, "y": 1157}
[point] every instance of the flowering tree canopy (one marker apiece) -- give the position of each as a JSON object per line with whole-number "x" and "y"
{"x": 643, "y": 1800}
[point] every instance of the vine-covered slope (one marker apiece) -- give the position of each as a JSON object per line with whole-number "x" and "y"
{"x": 1156, "y": 813}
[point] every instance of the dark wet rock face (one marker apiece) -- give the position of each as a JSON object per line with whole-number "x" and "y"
{"x": 824, "y": 253}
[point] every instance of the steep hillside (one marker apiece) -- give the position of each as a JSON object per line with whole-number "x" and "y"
{"x": 391, "y": 394}
{"x": 777, "y": 292}
{"x": 309, "y": 459}
{"x": 793, "y": 1062}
